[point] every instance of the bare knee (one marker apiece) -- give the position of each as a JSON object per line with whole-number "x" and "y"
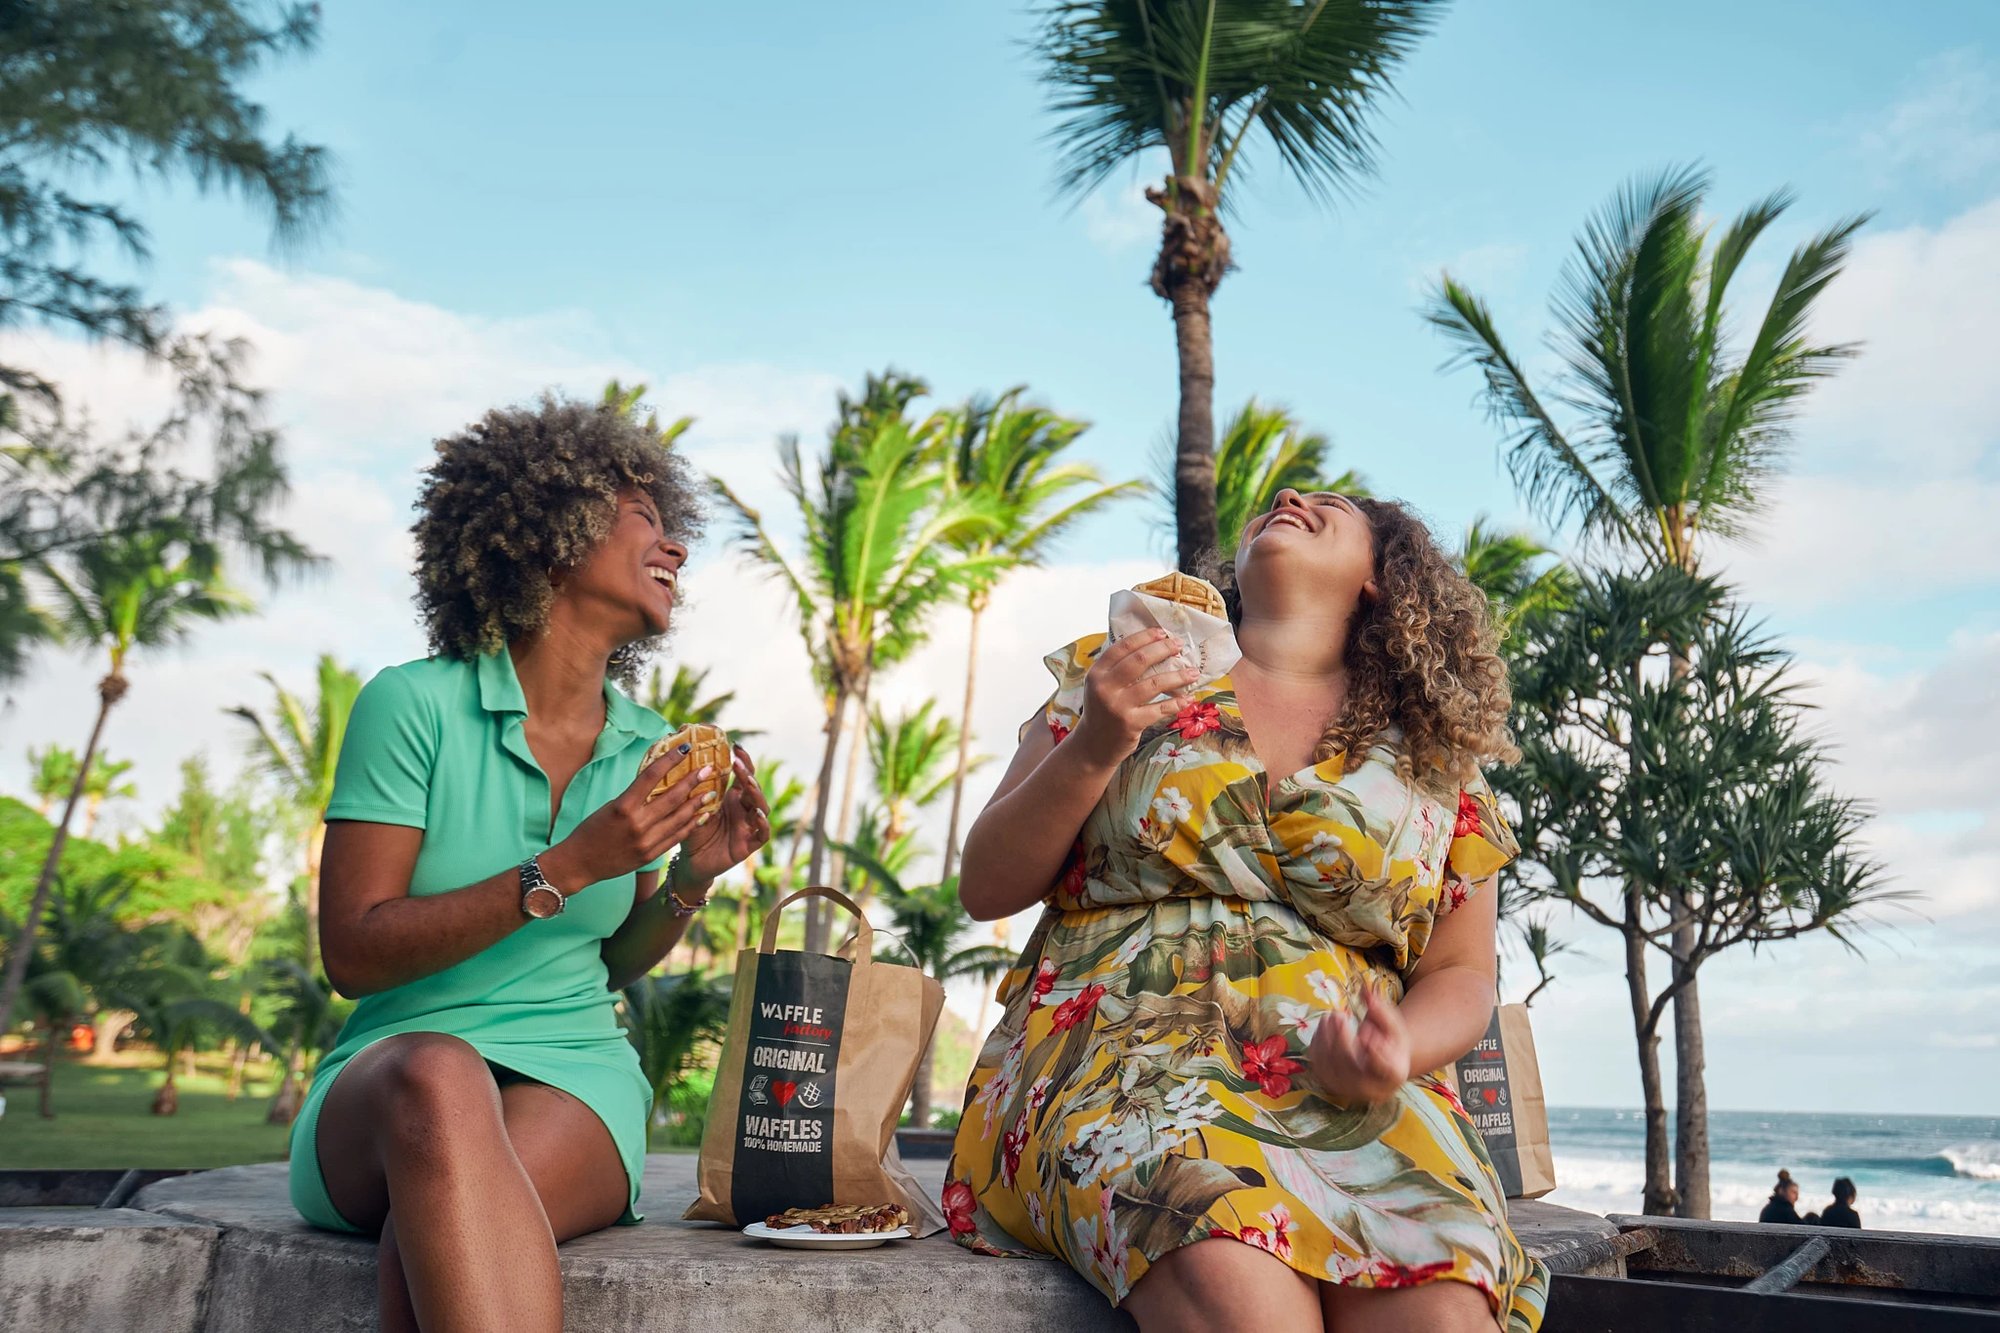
{"x": 432, "y": 1090}
{"x": 1223, "y": 1284}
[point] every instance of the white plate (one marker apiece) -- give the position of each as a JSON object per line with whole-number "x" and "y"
{"x": 805, "y": 1238}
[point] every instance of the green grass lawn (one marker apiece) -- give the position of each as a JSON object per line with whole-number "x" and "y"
{"x": 103, "y": 1119}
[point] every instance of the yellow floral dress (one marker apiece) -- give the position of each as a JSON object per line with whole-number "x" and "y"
{"x": 1147, "y": 1086}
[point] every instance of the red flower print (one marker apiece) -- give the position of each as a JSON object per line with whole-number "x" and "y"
{"x": 1468, "y": 817}
{"x": 1386, "y": 1276}
{"x": 1045, "y": 981}
{"x": 1012, "y": 1143}
{"x": 1057, "y": 730}
{"x": 1197, "y": 717}
{"x": 1266, "y": 1064}
{"x": 1074, "y": 876}
{"x": 1456, "y": 891}
{"x": 1077, "y": 1007}
{"x": 1221, "y": 1233}
{"x": 958, "y": 1204}
{"x": 1445, "y": 1092}
{"x": 1255, "y": 1238}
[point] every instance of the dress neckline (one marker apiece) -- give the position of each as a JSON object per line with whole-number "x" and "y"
{"x": 1329, "y": 770}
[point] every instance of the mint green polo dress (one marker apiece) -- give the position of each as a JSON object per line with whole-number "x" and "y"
{"x": 438, "y": 745}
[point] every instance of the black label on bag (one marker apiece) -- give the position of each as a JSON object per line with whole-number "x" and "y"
{"x": 784, "y": 1140}
{"x": 1482, "y": 1086}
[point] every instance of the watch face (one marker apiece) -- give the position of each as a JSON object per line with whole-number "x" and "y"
{"x": 541, "y": 902}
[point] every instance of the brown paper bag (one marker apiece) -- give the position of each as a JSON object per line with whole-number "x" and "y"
{"x": 817, "y": 1064}
{"x": 1500, "y": 1084}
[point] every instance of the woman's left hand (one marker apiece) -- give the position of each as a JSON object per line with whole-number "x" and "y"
{"x": 1366, "y": 1061}
{"x": 736, "y": 828}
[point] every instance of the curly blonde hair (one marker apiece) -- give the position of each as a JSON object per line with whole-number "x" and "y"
{"x": 524, "y": 493}
{"x": 1422, "y": 658}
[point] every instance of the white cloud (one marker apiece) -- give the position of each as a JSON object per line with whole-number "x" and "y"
{"x": 1120, "y": 219}
{"x": 1921, "y": 400}
{"x": 361, "y": 380}
{"x": 1947, "y": 126}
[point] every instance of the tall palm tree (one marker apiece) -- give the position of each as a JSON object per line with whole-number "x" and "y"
{"x": 912, "y": 754}
{"x": 877, "y": 564}
{"x": 1006, "y": 454}
{"x": 1263, "y": 450}
{"x": 121, "y": 595}
{"x": 931, "y": 922}
{"x": 1519, "y": 576}
{"x": 1675, "y": 431}
{"x": 1203, "y": 80}
{"x": 299, "y": 749}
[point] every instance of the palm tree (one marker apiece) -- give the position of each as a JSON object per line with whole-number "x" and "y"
{"x": 672, "y": 1021}
{"x": 1676, "y": 432}
{"x": 127, "y": 592}
{"x": 1005, "y": 453}
{"x": 1519, "y": 577}
{"x": 299, "y": 749}
{"x": 628, "y": 402}
{"x": 103, "y": 785}
{"x": 53, "y": 769}
{"x": 912, "y": 755}
{"x": 679, "y": 701}
{"x": 931, "y": 922}
{"x": 304, "y": 1021}
{"x": 1129, "y": 77}
{"x": 876, "y": 565}
{"x": 1263, "y": 450}
{"x": 23, "y": 625}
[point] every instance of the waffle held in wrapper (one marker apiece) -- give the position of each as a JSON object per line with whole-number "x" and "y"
{"x": 1190, "y": 610}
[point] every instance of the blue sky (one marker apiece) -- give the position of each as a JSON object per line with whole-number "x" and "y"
{"x": 750, "y": 208}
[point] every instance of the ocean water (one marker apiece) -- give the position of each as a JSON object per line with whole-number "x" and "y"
{"x": 1913, "y": 1172}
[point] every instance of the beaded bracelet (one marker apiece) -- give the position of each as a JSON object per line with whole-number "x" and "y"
{"x": 673, "y": 873}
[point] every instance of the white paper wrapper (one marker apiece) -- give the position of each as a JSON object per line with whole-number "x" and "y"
{"x": 1207, "y": 643}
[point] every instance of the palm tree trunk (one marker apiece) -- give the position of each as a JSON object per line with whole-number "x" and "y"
{"x": 105, "y": 1029}
{"x": 315, "y": 846}
{"x": 964, "y": 739}
{"x": 109, "y": 691}
{"x": 285, "y": 1106}
{"x": 815, "y": 914}
{"x": 168, "y": 1099}
{"x": 1194, "y": 446}
{"x": 855, "y": 747}
{"x": 1659, "y": 1194}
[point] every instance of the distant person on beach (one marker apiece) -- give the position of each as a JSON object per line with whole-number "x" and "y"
{"x": 1840, "y": 1213}
{"x": 1783, "y": 1205}
{"x": 497, "y": 867}
{"x": 1268, "y": 904}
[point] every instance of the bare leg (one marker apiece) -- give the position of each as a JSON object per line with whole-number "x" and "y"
{"x": 1434, "y": 1307}
{"x": 569, "y": 1155}
{"x": 1223, "y": 1286}
{"x": 414, "y": 1126}
{"x": 392, "y": 1289}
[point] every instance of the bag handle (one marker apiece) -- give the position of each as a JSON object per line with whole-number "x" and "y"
{"x": 864, "y": 934}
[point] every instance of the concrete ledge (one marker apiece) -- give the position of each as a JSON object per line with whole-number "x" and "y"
{"x": 79, "y": 1269}
{"x": 223, "y": 1253}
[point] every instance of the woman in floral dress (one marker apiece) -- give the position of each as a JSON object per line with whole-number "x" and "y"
{"x": 1212, "y": 1088}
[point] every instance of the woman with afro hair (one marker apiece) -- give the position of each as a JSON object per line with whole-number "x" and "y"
{"x": 493, "y": 874}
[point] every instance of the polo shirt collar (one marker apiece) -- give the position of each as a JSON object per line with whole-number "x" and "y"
{"x": 500, "y": 692}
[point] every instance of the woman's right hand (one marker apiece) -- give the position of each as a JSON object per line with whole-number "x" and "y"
{"x": 629, "y": 831}
{"x": 1119, "y": 695}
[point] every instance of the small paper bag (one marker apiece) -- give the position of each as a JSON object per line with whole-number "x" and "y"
{"x": 1500, "y": 1084}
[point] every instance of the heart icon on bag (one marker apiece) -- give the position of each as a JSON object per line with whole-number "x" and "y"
{"x": 784, "y": 1092}
{"x": 1492, "y": 1095}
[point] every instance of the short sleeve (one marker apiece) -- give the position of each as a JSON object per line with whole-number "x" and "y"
{"x": 1069, "y": 665}
{"x": 384, "y": 773}
{"x": 1481, "y": 842}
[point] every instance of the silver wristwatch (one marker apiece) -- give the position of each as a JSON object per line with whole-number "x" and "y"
{"x": 539, "y": 898}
